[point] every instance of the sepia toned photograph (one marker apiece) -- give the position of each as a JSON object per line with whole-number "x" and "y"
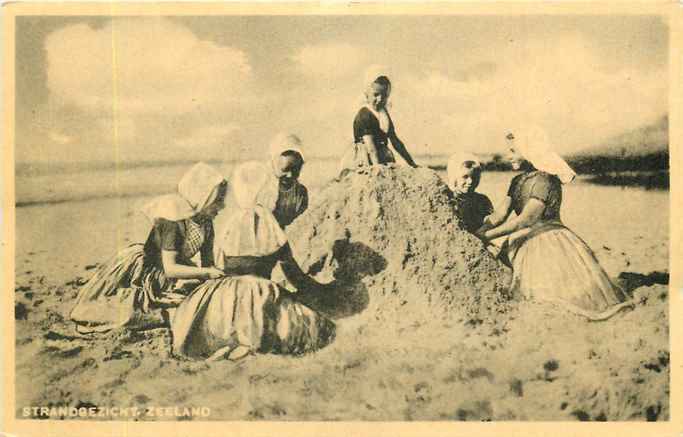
{"x": 352, "y": 217}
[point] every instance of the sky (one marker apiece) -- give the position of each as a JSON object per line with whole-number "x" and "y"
{"x": 178, "y": 88}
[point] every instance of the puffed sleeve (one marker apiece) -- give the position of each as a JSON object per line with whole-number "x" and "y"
{"x": 364, "y": 123}
{"x": 207, "y": 248}
{"x": 513, "y": 184}
{"x": 168, "y": 235}
{"x": 543, "y": 186}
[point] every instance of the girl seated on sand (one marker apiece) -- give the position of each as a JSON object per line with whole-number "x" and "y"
{"x": 464, "y": 174}
{"x": 549, "y": 262}
{"x": 373, "y": 129}
{"x": 289, "y": 196}
{"x": 142, "y": 277}
{"x": 237, "y": 315}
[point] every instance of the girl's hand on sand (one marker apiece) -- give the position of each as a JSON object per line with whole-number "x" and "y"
{"x": 214, "y": 273}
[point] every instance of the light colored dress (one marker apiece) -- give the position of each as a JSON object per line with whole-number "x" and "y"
{"x": 550, "y": 262}
{"x": 248, "y": 311}
{"x": 130, "y": 285}
{"x": 133, "y": 283}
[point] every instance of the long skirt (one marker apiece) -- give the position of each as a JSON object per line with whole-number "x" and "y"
{"x": 357, "y": 156}
{"x": 247, "y": 311}
{"x": 551, "y": 263}
{"x": 122, "y": 292}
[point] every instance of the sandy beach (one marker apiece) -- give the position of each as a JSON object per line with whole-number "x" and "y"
{"x": 109, "y": 107}
{"x": 535, "y": 362}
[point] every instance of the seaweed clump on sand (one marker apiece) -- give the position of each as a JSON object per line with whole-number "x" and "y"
{"x": 390, "y": 239}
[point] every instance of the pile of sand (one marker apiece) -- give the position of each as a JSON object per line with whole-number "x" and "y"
{"x": 390, "y": 237}
{"x": 397, "y": 259}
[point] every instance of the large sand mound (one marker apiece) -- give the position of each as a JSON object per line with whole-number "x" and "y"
{"x": 392, "y": 237}
{"x": 397, "y": 257}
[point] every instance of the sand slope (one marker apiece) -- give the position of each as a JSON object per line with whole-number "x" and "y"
{"x": 394, "y": 235}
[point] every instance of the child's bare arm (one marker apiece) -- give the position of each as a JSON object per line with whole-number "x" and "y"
{"x": 530, "y": 214}
{"x": 498, "y": 216}
{"x": 175, "y": 270}
{"x": 300, "y": 280}
{"x": 401, "y": 149}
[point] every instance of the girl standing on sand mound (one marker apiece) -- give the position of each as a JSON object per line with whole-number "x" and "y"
{"x": 237, "y": 315}
{"x": 549, "y": 262}
{"x": 373, "y": 129}
{"x": 141, "y": 277}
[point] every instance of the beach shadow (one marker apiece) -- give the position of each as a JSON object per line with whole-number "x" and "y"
{"x": 348, "y": 263}
{"x": 629, "y": 281}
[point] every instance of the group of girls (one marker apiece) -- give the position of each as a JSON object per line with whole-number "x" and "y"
{"x": 549, "y": 262}
{"x": 237, "y": 309}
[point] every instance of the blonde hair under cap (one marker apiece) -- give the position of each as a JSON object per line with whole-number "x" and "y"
{"x": 252, "y": 230}
{"x": 197, "y": 188}
{"x": 456, "y": 162}
{"x": 533, "y": 144}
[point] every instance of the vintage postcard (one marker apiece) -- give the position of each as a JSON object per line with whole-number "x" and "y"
{"x": 342, "y": 219}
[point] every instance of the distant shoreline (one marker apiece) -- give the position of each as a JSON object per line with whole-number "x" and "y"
{"x": 582, "y": 164}
{"x": 648, "y": 180}
{"x": 55, "y": 168}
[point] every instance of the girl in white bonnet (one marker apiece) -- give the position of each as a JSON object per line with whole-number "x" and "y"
{"x": 549, "y": 261}
{"x": 247, "y": 312}
{"x": 287, "y": 195}
{"x": 373, "y": 128}
{"x": 141, "y": 277}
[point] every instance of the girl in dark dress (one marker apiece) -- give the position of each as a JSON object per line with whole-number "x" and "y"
{"x": 464, "y": 175}
{"x": 141, "y": 278}
{"x": 373, "y": 130}
{"x": 549, "y": 261}
{"x": 286, "y": 197}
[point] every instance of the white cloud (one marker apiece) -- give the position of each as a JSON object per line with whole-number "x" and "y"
{"x": 142, "y": 65}
{"x": 439, "y": 85}
{"x": 329, "y": 59}
{"x": 561, "y": 85}
{"x": 142, "y": 81}
{"x": 175, "y": 93}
